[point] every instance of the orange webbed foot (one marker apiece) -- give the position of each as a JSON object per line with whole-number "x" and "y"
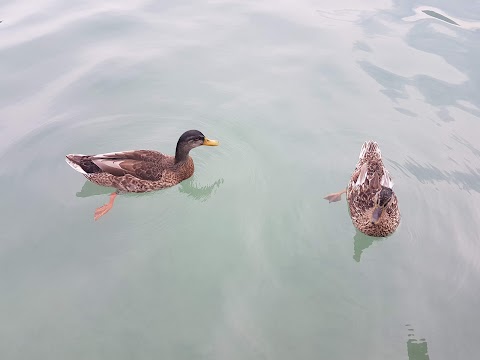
{"x": 335, "y": 196}
{"x": 102, "y": 210}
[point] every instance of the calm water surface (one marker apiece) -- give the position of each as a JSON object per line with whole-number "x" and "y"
{"x": 245, "y": 260}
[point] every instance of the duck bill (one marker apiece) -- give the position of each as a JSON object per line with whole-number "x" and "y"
{"x": 209, "y": 142}
{"x": 376, "y": 214}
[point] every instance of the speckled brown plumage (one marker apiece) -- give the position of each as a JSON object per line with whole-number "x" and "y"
{"x": 135, "y": 171}
{"x": 371, "y": 186}
{"x": 139, "y": 170}
{"x": 146, "y": 176}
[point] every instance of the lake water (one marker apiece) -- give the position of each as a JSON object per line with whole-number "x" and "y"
{"x": 245, "y": 260}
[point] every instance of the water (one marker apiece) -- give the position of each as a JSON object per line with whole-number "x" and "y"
{"x": 245, "y": 260}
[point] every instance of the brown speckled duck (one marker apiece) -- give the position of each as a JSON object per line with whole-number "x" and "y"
{"x": 139, "y": 170}
{"x": 372, "y": 202}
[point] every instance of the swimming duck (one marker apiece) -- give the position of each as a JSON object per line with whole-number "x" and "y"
{"x": 372, "y": 202}
{"x": 139, "y": 170}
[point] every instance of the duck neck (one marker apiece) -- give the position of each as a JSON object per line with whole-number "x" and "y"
{"x": 181, "y": 154}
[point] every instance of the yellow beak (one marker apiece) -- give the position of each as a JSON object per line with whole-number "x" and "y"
{"x": 209, "y": 142}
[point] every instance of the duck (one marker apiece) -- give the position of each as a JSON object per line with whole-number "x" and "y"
{"x": 138, "y": 171}
{"x": 372, "y": 202}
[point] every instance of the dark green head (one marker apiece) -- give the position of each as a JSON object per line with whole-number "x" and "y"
{"x": 191, "y": 139}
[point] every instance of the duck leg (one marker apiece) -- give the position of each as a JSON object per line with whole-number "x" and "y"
{"x": 335, "y": 196}
{"x": 102, "y": 210}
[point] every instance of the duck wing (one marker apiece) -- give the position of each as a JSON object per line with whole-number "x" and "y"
{"x": 143, "y": 164}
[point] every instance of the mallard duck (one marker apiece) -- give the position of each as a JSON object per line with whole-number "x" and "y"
{"x": 372, "y": 202}
{"x": 139, "y": 170}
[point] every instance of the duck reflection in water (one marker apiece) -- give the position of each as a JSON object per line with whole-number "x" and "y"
{"x": 201, "y": 193}
{"x": 188, "y": 187}
{"x": 361, "y": 242}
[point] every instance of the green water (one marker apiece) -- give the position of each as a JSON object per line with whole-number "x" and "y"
{"x": 245, "y": 260}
